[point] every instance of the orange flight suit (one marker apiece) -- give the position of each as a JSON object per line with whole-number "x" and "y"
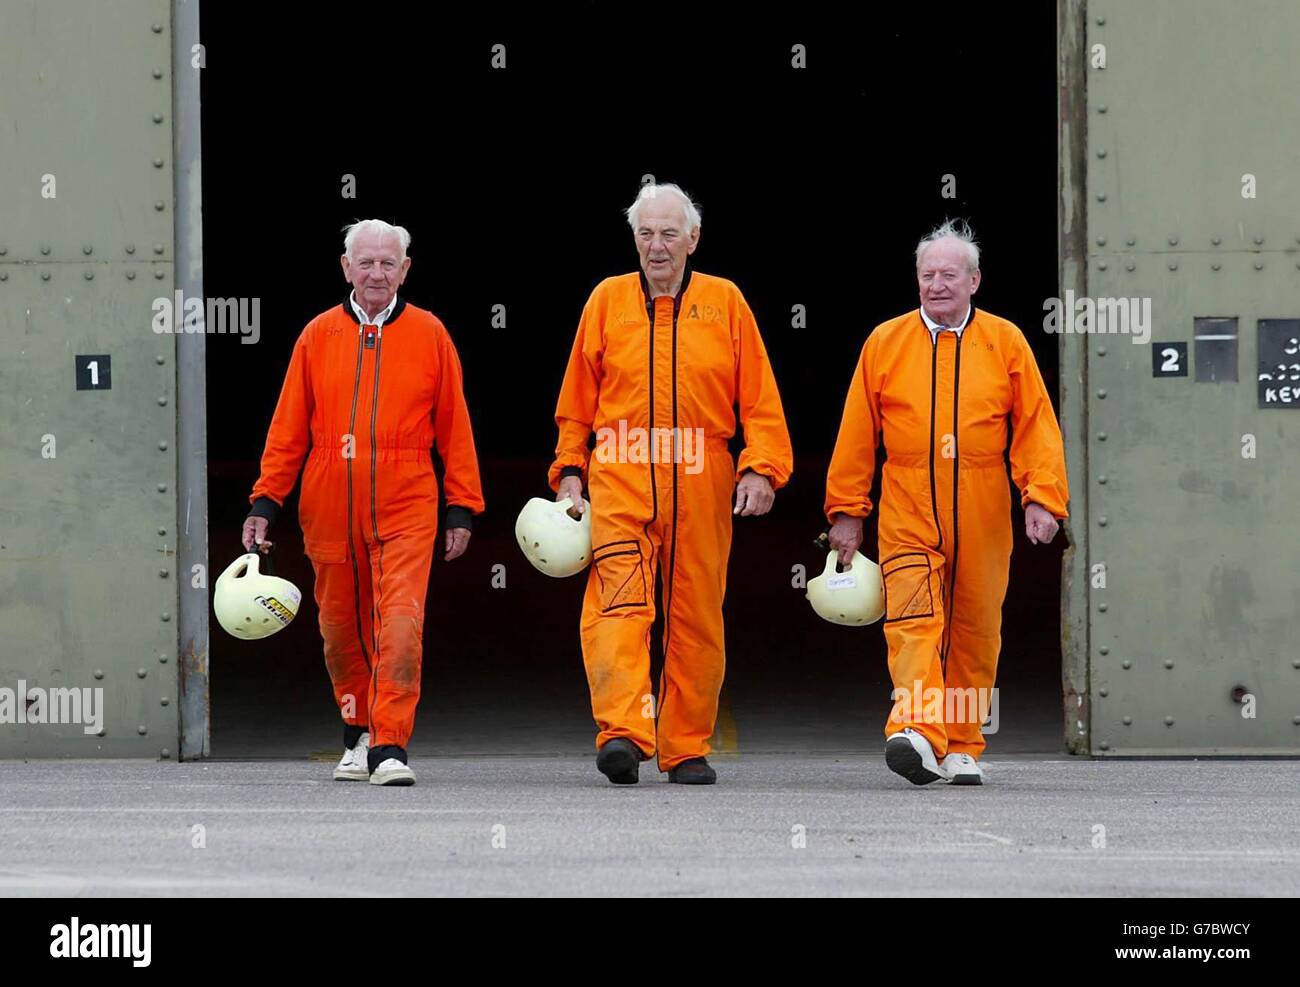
{"x": 943, "y": 408}
{"x": 365, "y": 406}
{"x": 681, "y": 363}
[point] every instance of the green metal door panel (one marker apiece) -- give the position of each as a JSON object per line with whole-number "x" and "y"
{"x": 1200, "y": 586}
{"x": 1195, "y": 95}
{"x": 88, "y": 518}
{"x": 80, "y": 102}
{"x": 1190, "y": 499}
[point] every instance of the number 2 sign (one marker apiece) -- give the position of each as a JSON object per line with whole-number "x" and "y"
{"x": 1168, "y": 359}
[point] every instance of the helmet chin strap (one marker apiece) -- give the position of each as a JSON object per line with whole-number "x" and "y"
{"x": 265, "y": 563}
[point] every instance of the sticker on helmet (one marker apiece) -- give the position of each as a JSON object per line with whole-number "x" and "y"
{"x": 278, "y": 610}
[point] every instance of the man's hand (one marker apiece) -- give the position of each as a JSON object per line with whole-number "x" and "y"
{"x": 571, "y": 487}
{"x": 1040, "y": 526}
{"x": 846, "y": 537}
{"x": 457, "y": 542}
{"x": 754, "y": 495}
{"x": 255, "y": 533}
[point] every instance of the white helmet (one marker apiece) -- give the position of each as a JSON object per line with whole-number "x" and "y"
{"x": 251, "y": 604}
{"x": 854, "y": 598}
{"x": 554, "y": 542}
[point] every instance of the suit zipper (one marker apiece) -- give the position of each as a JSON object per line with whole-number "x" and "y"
{"x": 352, "y": 552}
{"x": 934, "y": 393}
{"x": 672, "y": 552}
{"x": 654, "y": 511}
{"x": 654, "y": 490}
{"x": 956, "y": 466}
{"x": 374, "y": 449}
{"x": 374, "y": 509}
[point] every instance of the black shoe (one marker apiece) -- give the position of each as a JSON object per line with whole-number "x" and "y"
{"x": 619, "y": 760}
{"x": 696, "y": 771}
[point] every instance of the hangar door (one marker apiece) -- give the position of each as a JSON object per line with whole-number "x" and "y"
{"x": 1181, "y": 224}
{"x": 89, "y": 519}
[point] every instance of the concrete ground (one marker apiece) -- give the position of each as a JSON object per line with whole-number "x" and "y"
{"x": 776, "y": 824}
{"x": 509, "y": 802}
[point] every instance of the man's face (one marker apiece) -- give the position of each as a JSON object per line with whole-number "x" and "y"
{"x": 375, "y": 269}
{"x": 946, "y": 284}
{"x": 662, "y": 240}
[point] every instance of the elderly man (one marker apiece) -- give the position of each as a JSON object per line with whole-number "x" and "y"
{"x": 662, "y": 359}
{"x": 365, "y": 416}
{"x": 941, "y": 385}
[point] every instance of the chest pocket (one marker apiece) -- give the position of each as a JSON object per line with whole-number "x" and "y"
{"x": 707, "y": 361}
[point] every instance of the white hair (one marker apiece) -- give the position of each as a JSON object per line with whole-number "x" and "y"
{"x": 651, "y": 191}
{"x": 949, "y": 230}
{"x": 350, "y": 234}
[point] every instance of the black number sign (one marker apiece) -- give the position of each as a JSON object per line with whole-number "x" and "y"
{"x": 94, "y": 372}
{"x": 1168, "y": 359}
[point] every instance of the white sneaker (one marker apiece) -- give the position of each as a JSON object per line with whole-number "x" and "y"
{"x": 392, "y": 772}
{"x": 962, "y": 769}
{"x": 353, "y": 767}
{"x": 909, "y": 754}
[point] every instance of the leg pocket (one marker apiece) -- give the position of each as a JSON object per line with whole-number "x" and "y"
{"x": 620, "y": 569}
{"x": 325, "y": 552}
{"x": 908, "y": 593}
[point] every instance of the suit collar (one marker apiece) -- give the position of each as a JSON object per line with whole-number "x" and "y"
{"x": 677, "y": 300}
{"x": 398, "y": 304}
